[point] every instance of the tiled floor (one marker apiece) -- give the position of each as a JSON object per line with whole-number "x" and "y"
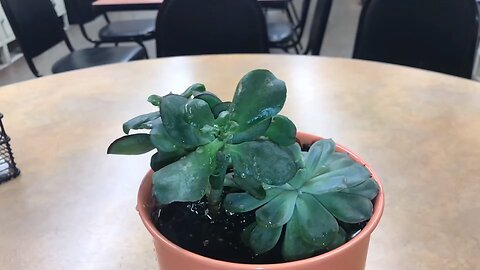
{"x": 338, "y": 42}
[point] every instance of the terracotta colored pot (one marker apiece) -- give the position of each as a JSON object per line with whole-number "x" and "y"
{"x": 350, "y": 256}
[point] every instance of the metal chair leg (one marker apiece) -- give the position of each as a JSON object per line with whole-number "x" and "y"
{"x": 139, "y": 42}
{"x": 32, "y": 67}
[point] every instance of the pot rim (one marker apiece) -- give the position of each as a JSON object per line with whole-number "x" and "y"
{"x": 142, "y": 208}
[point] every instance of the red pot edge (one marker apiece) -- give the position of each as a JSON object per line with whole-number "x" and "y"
{"x": 142, "y": 208}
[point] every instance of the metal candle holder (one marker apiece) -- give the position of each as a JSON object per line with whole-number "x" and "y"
{"x": 8, "y": 168}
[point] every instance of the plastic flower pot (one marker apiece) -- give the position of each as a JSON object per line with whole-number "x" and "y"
{"x": 350, "y": 256}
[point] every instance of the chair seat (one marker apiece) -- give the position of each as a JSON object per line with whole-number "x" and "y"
{"x": 96, "y": 57}
{"x": 279, "y": 32}
{"x": 130, "y": 30}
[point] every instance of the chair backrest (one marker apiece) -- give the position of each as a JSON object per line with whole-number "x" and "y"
{"x": 438, "y": 35}
{"x": 191, "y": 27}
{"x": 35, "y": 25}
{"x": 80, "y": 11}
{"x": 319, "y": 24}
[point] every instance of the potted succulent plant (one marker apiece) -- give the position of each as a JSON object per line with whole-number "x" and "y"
{"x": 234, "y": 186}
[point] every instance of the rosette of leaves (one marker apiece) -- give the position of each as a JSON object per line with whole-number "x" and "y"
{"x": 304, "y": 212}
{"x": 197, "y": 138}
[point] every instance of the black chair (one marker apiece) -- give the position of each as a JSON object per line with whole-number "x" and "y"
{"x": 318, "y": 27}
{"x": 286, "y": 6}
{"x": 37, "y": 29}
{"x": 287, "y": 35}
{"x": 437, "y": 35}
{"x": 81, "y": 12}
{"x": 191, "y": 27}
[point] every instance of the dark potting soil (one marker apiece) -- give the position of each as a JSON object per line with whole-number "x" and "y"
{"x": 191, "y": 226}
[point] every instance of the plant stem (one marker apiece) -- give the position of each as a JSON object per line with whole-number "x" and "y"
{"x": 216, "y": 184}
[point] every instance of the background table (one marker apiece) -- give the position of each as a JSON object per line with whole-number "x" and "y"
{"x": 73, "y": 207}
{"x": 126, "y": 5}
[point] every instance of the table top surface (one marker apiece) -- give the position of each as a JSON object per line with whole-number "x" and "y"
{"x": 125, "y": 2}
{"x": 73, "y": 207}
{"x": 126, "y": 5}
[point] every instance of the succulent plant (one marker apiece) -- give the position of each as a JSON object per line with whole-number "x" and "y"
{"x": 198, "y": 138}
{"x": 301, "y": 199}
{"x": 331, "y": 186}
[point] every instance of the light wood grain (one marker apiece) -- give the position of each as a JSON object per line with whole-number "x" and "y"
{"x": 73, "y": 207}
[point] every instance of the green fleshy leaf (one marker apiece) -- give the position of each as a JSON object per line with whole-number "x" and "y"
{"x": 265, "y": 161}
{"x": 174, "y": 118}
{"x": 160, "y": 138}
{"x": 340, "y": 239}
{"x": 294, "y": 247}
{"x": 339, "y": 160}
{"x": 259, "y": 95}
{"x": 263, "y": 239}
{"x": 186, "y": 179}
{"x": 318, "y": 155}
{"x": 337, "y": 180}
{"x": 210, "y": 98}
{"x": 140, "y": 122}
{"x": 249, "y": 184}
{"x": 251, "y": 133}
{"x": 155, "y": 100}
{"x": 245, "y": 235}
{"x": 135, "y": 144}
{"x": 194, "y": 89}
{"x": 199, "y": 116}
{"x": 244, "y": 202}
{"x": 162, "y": 159}
{"x": 349, "y": 208}
{"x": 317, "y": 226}
{"x": 278, "y": 211}
{"x": 282, "y": 131}
{"x": 221, "y": 107}
{"x": 368, "y": 189}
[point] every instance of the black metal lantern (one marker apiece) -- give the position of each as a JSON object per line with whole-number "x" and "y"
{"x": 8, "y": 168}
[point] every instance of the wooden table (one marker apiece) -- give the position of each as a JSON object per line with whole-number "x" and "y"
{"x": 73, "y": 207}
{"x": 126, "y": 5}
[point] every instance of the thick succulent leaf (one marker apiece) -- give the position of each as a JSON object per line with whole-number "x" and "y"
{"x": 337, "y": 180}
{"x": 221, "y": 107}
{"x": 339, "y": 160}
{"x": 249, "y": 184}
{"x": 140, "y": 122}
{"x": 259, "y": 95}
{"x": 278, "y": 211}
{"x": 245, "y": 235}
{"x": 135, "y": 144}
{"x": 210, "y": 98}
{"x": 194, "y": 89}
{"x": 263, "y": 239}
{"x": 294, "y": 247}
{"x": 244, "y": 202}
{"x": 251, "y": 133}
{"x": 339, "y": 239}
{"x": 367, "y": 189}
{"x": 186, "y": 179}
{"x": 349, "y": 208}
{"x": 162, "y": 159}
{"x": 265, "y": 161}
{"x": 155, "y": 100}
{"x": 318, "y": 155}
{"x": 199, "y": 116}
{"x": 282, "y": 131}
{"x": 299, "y": 179}
{"x": 174, "y": 119}
{"x": 318, "y": 226}
{"x": 160, "y": 138}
